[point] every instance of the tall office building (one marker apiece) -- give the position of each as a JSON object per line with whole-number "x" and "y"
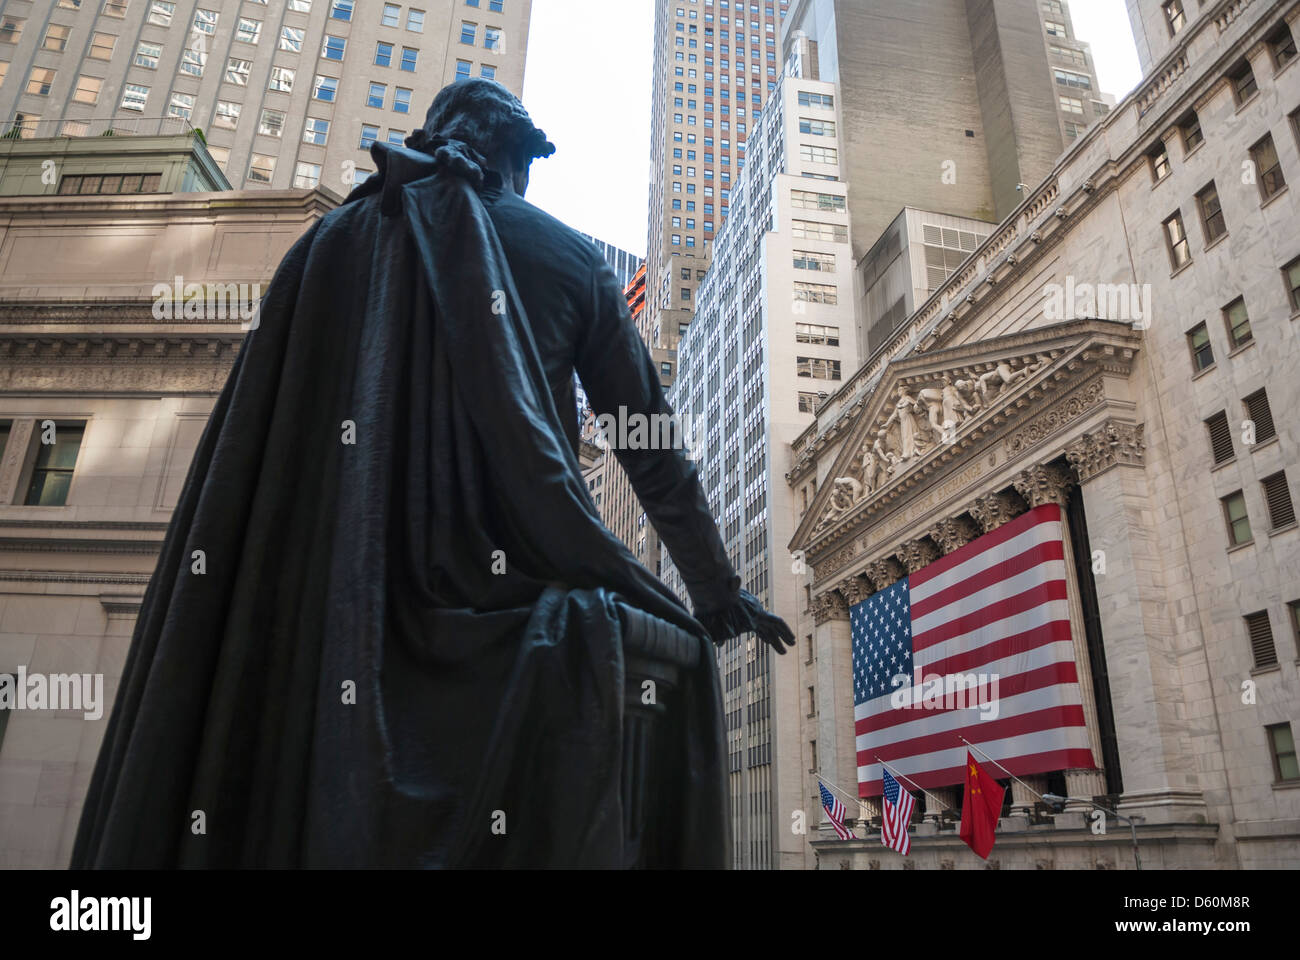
{"x": 288, "y": 93}
{"x": 625, "y": 265}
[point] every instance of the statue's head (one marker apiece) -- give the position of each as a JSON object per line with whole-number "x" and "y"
{"x": 489, "y": 119}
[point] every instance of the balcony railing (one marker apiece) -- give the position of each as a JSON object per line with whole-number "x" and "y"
{"x": 33, "y": 128}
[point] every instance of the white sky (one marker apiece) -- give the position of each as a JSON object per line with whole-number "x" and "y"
{"x": 592, "y": 97}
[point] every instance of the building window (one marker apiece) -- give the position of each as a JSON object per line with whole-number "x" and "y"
{"x": 1071, "y": 104}
{"x": 1068, "y": 78}
{"x": 409, "y": 57}
{"x": 369, "y": 134}
{"x": 487, "y": 71}
{"x": 1281, "y": 744}
{"x": 333, "y": 48}
{"x": 469, "y": 33}
{"x": 808, "y": 404}
{"x": 11, "y": 29}
{"x": 291, "y": 39}
{"x": 237, "y": 71}
{"x": 816, "y": 293}
{"x": 1277, "y": 494}
{"x": 1176, "y": 238}
{"x": 1237, "y": 321}
{"x": 1281, "y": 44}
{"x": 182, "y": 105}
{"x": 306, "y": 176}
{"x": 160, "y": 12}
{"x": 55, "y": 461}
{"x": 1260, "y": 413}
{"x": 391, "y": 15}
{"x": 807, "y": 200}
{"x": 111, "y": 183}
{"x": 492, "y": 38}
{"x": 401, "y": 100}
{"x": 817, "y": 368}
{"x": 316, "y": 130}
{"x": 815, "y": 230}
{"x": 248, "y": 31}
{"x": 1260, "y": 633}
{"x": 325, "y": 88}
{"x": 464, "y": 70}
{"x": 101, "y": 46}
{"x": 811, "y": 154}
{"x": 816, "y": 333}
{"x": 1175, "y": 18}
{"x": 496, "y": 6}
{"x": 134, "y": 97}
{"x": 1234, "y": 514}
{"x": 1268, "y": 169}
{"x": 87, "y": 90}
{"x": 342, "y": 10}
{"x": 1055, "y": 28}
{"x": 1243, "y": 82}
{"x": 56, "y": 37}
{"x": 376, "y": 94}
{"x": 396, "y": 137}
{"x": 1159, "y": 157}
{"x": 415, "y": 21}
{"x": 1291, "y": 279}
{"x": 205, "y": 21}
{"x": 383, "y": 54}
{"x": 296, "y": 6}
{"x": 810, "y": 260}
{"x": 271, "y": 123}
{"x": 1220, "y": 438}
{"x": 1190, "y": 129}
{"x": 115, "y": 8}
{"x": 147, "y": 54}
{"x": 281, "y": 80}
{"x": 227, "y": 115}
{"x": 816, "y": 128}
{"x": 666, "y": 369}
{"x": 192, "y": 61}
{"x": 261, "y": 168}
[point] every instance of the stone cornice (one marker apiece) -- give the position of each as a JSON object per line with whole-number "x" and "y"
{"x": 205, "y": 348}
{"x": 96, "y": 313}
{"x": 66, "y": 576}
{"x": 1112, "y": 444}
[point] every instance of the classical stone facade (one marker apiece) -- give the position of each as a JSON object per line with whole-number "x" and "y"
{"x": 993, "y": 399}
{"x": 85, "y": 362}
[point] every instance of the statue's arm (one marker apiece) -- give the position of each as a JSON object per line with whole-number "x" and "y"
{"x": 618, "y": 371}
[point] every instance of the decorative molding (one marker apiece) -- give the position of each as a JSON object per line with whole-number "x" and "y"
{"x": 99, "y": 349}
{"x": 1113, "y": 444}
{"x": 1056, "y": 417}
{"x": 828, "y": 606}
{"x": 1044, "y": 483}
{"x": 953, "y": 533}
{"x": 64, "y": 576}
{"x": 884, "y": 572}
{"x": 994, "y": 509}
{"x": 836, "y": 561}
{"x": 856, "y": 589}
{"x": 124, "y": 605}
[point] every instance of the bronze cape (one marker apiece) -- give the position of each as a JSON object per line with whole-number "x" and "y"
{"x": 442, "y": 317}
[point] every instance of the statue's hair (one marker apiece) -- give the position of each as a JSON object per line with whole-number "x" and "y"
{"x": 487, "y": 118}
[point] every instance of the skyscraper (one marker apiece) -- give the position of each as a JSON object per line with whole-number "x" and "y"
{"x": 289, "y": 93}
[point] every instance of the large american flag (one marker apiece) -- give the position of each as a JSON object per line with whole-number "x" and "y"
{"x": 997, "y": 607}
{"x": 897, "y": 815}
{"x": 835, "y": 809}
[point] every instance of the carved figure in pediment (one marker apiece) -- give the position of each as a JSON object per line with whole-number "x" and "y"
{"x": 845, "y": 494}
{"x": 999, "y": 379}
{"x": 907, "y": 413}
{"x": 955, "y": 406}
{"x": 970, "y": 395}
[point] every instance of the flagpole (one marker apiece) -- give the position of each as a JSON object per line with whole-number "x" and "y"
{"x": 899, "y": 773}
{"x": 1000, "y": 767}
{"x": 838, "y": 789}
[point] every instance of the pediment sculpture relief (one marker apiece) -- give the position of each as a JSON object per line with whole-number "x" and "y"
{"x": 926, "y": 413}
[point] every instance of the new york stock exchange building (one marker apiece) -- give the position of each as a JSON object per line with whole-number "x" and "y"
{"x": 1074, "y": 468}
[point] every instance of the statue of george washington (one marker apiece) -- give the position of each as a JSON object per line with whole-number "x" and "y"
{"x": 388, "y": 627}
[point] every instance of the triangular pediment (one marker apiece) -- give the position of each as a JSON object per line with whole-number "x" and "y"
{"x": 928, "y": 410}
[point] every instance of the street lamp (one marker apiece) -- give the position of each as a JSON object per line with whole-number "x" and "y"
{"x": 1057, "y": 802}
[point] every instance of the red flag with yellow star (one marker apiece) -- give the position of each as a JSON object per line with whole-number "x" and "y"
{"x": 980, "y": 809}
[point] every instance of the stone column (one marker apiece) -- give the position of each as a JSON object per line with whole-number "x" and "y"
{"x": 836, "y": 748}
{"x": 953, "y": 533}
{"x": 1023, "y": 798}
{"x": 1040, "y": 485}
{"x": 1143, "y": 645}
{"x": 15, "y": 456}
{"x": 994, "y": 509}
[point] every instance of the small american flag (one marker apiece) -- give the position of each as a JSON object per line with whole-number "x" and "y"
{"x": 898, "y": 813}
{"x": 835, "y": 810}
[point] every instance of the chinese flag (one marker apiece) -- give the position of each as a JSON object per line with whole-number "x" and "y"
{"x": 981, "y": 806}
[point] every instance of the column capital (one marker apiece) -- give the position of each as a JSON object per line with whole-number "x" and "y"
{"x": 884, "y": 572}
{"x": 828, "y": 606}
{"x": 1111, "y": 444}
{"x": 994, "y": 509}
{"x": 856, "y": 589}
{"x": 1044, "y": 483}
{"x": 953, "y": 533}
{"x": 917, "y": 554}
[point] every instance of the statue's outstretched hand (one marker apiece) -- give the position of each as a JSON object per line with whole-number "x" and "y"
{"x": 747, "y": 615}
